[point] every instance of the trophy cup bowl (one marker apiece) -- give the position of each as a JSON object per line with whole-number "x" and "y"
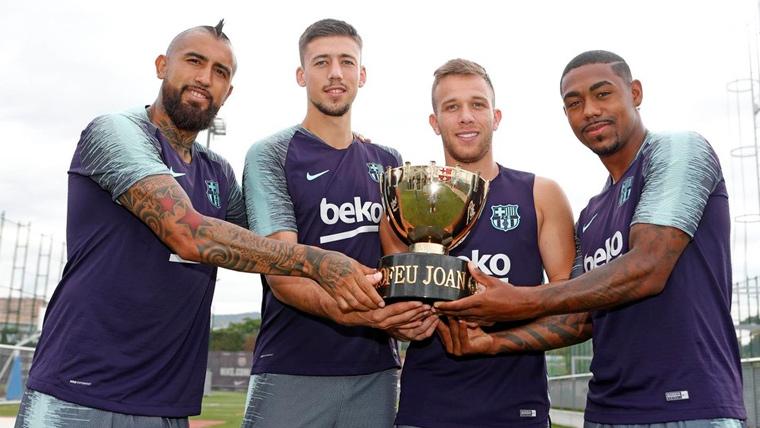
{"x": 432, "y": 209}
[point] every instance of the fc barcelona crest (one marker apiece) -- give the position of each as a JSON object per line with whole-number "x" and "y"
{"x": 625, "y": 190}
{"x": 375, "y": 171}
{"x": 212, "y": 191}
{"x": 505, "y": 217}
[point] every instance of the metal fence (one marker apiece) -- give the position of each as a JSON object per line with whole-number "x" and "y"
{"x": 745, "y": 311}
{"x": 569, "y": 392}
{"x": 30, "y": 265}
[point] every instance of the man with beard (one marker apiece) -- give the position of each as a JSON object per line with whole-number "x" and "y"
{"x": 316, "y": 183}
{"x": 656, "y": 292}
{"x": 125, "y": 338}
{"x": 526, "y": 228}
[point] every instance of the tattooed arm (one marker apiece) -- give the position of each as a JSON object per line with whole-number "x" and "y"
{"x": 160, "y": 202}
{"x": 557, "y": 331}
{"x": 641, "y": 272}
{"x": 302, "y": 294}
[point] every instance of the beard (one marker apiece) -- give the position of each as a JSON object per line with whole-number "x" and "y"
{"x": 186, "y": 117}
{"x": 335, "y": 111}
{"x": 609, "y": 150}
{"x": 462, "y": 157}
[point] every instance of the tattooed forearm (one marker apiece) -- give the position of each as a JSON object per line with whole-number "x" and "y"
{"x": 641, "y": 272}
{"x": 546, "y": 333}
{"x": 164, "y": 207}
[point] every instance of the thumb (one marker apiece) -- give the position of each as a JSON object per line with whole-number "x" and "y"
{"x": 366, "y": 270}
{"x": 484, "y": 281}
{"x": 373, "y": 277}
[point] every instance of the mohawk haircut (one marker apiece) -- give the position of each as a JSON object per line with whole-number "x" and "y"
{"x": 215, "y": 31}
{"x": 327, "y": 28}
{"x": 219, "y": 27}
{"x": 460, "y": 67}
{"x": 618, "y": 64}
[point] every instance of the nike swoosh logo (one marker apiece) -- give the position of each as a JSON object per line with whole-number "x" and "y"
{"x": 175, "y": 174}
{"x": 311, "y": 177}
{"x": 589, "y": 223}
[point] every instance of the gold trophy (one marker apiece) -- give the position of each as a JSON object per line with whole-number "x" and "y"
{"x": 432, "y": 209}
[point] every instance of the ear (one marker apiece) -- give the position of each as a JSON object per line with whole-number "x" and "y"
{"x": 161, "y": 66}
{"x": 496, "y": 119}
{"x": 362, "y": 76}
{"x": 434, "y": 124}
{"x": 300, "y": 78}
{"x": 637, "y": 92}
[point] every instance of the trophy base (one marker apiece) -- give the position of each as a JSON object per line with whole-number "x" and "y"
{"x": 424, "y": 276}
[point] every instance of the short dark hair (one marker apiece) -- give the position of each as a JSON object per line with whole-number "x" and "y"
{"x": 618, "y": 64}
{"x": 327, "y": 28}
{"x": 460, "y": 67}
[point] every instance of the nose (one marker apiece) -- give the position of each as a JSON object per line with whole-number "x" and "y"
{"x": 465, "y": 115}
{"x": 591, "y": 109}
{"x": 203, "y": 77}
{"x": 335, "y": 71}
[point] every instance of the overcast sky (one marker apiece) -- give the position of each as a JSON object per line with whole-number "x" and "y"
{"x": 64, "y": 63}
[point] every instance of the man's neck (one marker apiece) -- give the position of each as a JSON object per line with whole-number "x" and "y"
{"x": 181, "y": 141}
{"x": 334, "y": 131}
{"x": 617, "y": 164}
{"x": 487, "y": 167}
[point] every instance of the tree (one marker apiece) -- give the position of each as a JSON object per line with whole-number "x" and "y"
{"x": 236, "y": 336}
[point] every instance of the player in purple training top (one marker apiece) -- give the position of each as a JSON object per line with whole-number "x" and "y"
{"x": 656, "y": 292}
{"x": 125, "y": 337}
{"x": 317, "y": 184}
{"x": 526, "y": 228}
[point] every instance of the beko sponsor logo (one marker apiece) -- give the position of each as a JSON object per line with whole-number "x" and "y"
{"x": 356, "y": 211}
{"x": 490, "y": 264}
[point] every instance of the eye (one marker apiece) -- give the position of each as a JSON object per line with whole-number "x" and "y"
{"x": 221, "y": 72}
{"x": 572, "y": 104}
{"x": 603, "y": 94}
{"x": 193, "y": 60}
{"x": 450, "y": 107}
{"x": 348, "y": 62}
{"x": 478, "y": 105}
{"x": 320, "y": 63}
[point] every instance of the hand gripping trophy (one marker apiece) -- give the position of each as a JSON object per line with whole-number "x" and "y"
{"x": 432, "y": 209}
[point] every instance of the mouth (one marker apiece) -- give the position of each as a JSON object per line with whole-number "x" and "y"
{"x": 467, "y": 135}
{"x": 335, "y": 90}
{"x": 197, "y": 94}
{"x": 595, "y": 128}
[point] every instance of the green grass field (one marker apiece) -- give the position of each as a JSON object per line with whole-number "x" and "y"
{"x": 9, "y": 410}
{"x": 223, "y": 406}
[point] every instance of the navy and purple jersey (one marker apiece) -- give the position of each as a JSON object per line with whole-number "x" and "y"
{"x": 294, "y": 181}
{"x": 443, "y": 391}
{"x": 673, "y": 356}
{"x": 127, "y": 327}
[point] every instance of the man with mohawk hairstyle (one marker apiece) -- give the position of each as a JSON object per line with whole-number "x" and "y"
{"x": 151, "y": 214}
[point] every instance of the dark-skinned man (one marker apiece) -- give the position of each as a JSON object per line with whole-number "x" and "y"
{"x": 656, "y": 292}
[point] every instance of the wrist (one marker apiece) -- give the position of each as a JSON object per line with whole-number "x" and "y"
{"x": 533, "y": 302}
